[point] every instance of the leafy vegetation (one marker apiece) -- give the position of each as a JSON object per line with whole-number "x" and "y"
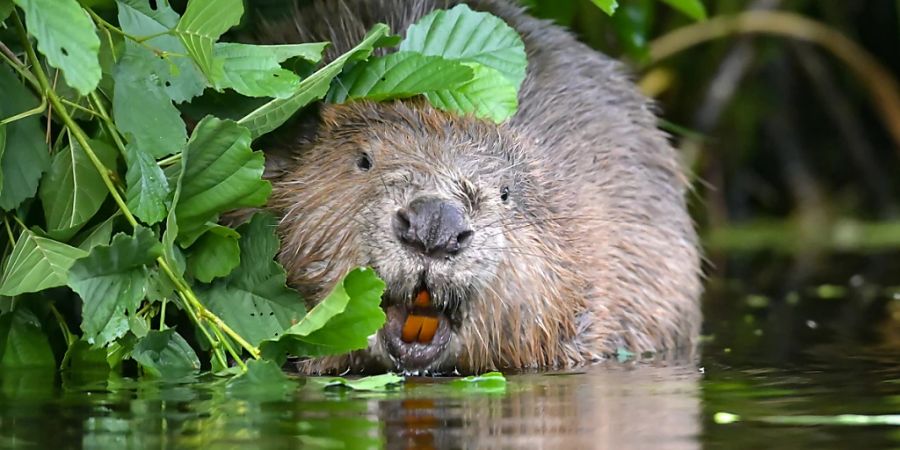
{"x": 112, "y": 203}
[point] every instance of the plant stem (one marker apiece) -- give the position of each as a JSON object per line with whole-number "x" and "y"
{"x": 19, "y": 66}
{"x": 63, "y": 326}
{"x": 185, "y": 292}
{"x": 70, "y": 123}
{"x": 108, "y": 122}
{"x": 9, "y": 232}
{"x": 31, "y": 112}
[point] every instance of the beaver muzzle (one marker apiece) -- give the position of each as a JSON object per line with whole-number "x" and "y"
{"x": 417, "y": 334}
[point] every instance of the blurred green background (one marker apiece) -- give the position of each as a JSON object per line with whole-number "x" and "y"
{"x": 789, "y": 148}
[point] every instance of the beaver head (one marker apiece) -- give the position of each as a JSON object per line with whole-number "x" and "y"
{"x": 456, "y": 217}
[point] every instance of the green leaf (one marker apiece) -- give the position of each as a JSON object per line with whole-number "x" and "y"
{"x": 200, "y": 27}
{"x": 215, "y": 254}
{"x": 262, "y": 380}
{"x": 142, "y": 110}
{"x": 254, "y": 299}
{"x": 66, "y": 36}
{"x": 165, "y": 354}
{"x": 469, "y": 36}
{"x": 398, "y": 75}
{"x": 691, "y": 8}
{"x": 81, "y": 357}
{"x": 340, "y": 323}
{"x": 485, "y": 382}
{"x": 72, "y": 191}
{"x": 487, "y": 95}
{"x": 148, "y": 187}
{"x": 274, "y": 113}
{"x": 178, "y": 76}
{"x": 26, "y": 155}
{"x": 6, "y": 7}
{"x": 219, "y": 172}
{"x": 112, "y": 280}
{"x": 100, "y": 234}
{"x": 255, "y": 70}
{"x": 381, "y": 382}
{"x": 608, "y": 6}
{"x": 23, "y": 342}
{"x": 37, "y": 263}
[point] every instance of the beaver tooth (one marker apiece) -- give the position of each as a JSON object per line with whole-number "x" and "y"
{"x": 429, "y": 328}
{"x": 423, "y": 299}
{"x": 412, "y": 327}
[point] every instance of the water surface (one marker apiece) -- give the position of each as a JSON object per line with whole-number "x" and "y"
{"x": 782, "y": 339}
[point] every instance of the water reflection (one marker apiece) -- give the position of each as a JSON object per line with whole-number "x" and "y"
{"x": 610, "y": 406}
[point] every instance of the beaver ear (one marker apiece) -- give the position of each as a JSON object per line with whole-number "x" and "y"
{"x": 282, "y": 146}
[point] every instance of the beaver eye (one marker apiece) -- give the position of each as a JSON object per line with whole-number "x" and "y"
{"x": 364, "y": 162}
{"x": 504, "y": 194}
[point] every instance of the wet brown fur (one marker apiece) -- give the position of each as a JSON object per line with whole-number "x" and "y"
{"x": 596, "y": 251}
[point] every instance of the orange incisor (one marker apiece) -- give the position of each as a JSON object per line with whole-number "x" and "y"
{"x": 418, "y": 327}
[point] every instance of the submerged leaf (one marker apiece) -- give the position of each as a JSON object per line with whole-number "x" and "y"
{"x": 165, "y": 354}
{"x": 274, "y": 113}
{"x": 340, "y": 323}
{"x": 66, "y": 36}
{"x": 111, "y": 281}
{"x": 263, "y": 379}
{"x": 37, "y": 263}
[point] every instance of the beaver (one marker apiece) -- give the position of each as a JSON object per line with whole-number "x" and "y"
{"x": 557, "y": 238}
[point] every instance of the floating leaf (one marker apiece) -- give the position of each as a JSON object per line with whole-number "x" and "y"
{"x": 254, "y": 299}
{"x": 23, "y": 342}
{"x": 469, "y": 36}
{"x": 26, "y": 155}
{"x": 255, "y": 70}
{"x": 148, "y": 187}
{"x": 398, "y": 75}
{"x": 381, "y": 382}
{"x": 111, "y": 281}
{"x": 487, "y": 95}
{"x": 165, "y": 354}
{"x": 200, "y": 27}
{"x": 487, "y": 382}
{"x": 72, "y": 190}
{"x": 219, "y": 172}
{"x": 66, "y": 36}
{"x": 37, "y": 263}
{"x": 691, "y": 8}
{"x": 274, "y": 113}
{"x": 340, "y": 323}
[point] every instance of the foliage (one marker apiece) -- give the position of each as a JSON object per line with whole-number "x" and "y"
{"x": 112, "y": 202}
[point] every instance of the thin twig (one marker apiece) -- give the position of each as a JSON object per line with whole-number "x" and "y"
{"x": 882, "y": 87}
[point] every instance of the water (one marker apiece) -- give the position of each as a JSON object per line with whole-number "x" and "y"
{"x": 783, "y": 339}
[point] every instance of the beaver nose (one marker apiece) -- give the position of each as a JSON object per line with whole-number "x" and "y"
{"x": 433, "y": 226}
